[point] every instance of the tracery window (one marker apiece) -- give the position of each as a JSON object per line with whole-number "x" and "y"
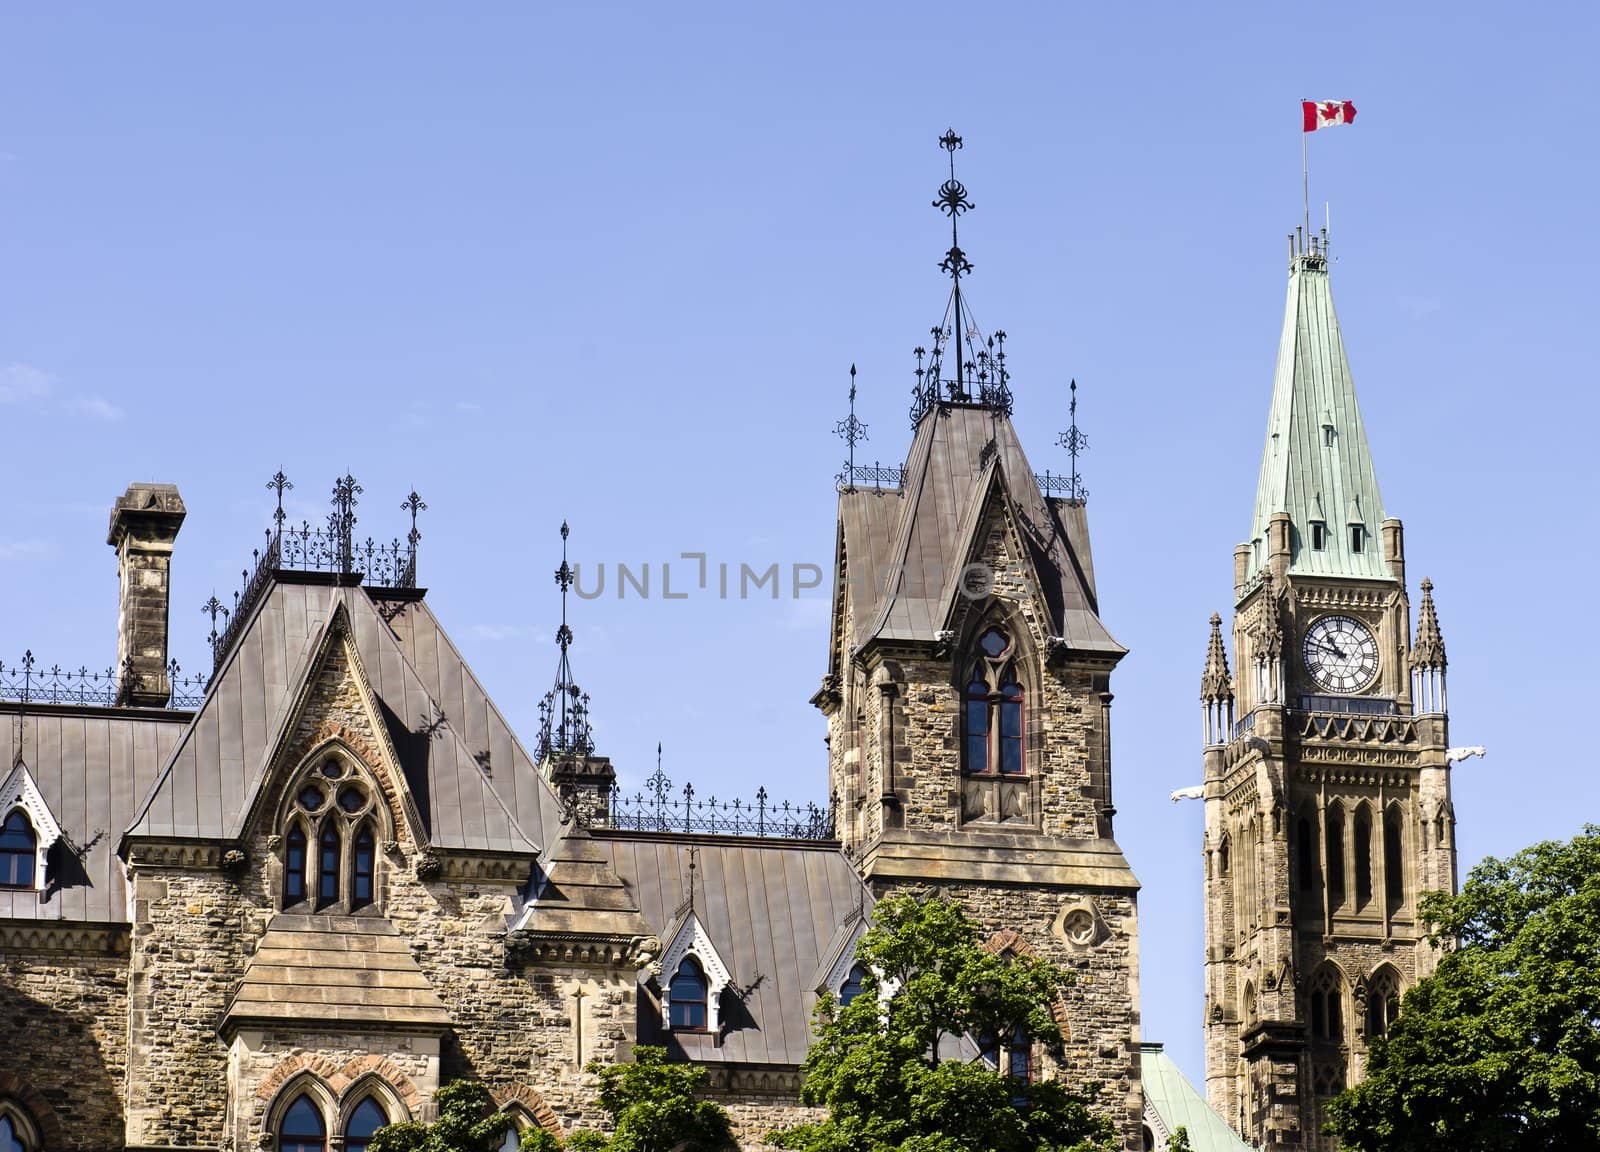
{"x": 688, "y": 995}
{"x": 368, "y": 1117}
{"x": 330, "y": 844}
{"x": 994, "y": 736}
{"x": 1327, "y": 1005}
{"x": 302, "y": 1128}
{"x": 19, "y": 848}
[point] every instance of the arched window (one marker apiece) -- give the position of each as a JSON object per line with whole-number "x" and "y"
{"x": 1394, "y": 861}
{"x": 1335, "y": 825}
{"x": 17, "y": 1133}
{"x": 294, "y": 865}
{"x": 1383, "y": 1002}
{"x": 1224, "y": 853}
{"x": 688, "y": 995}
{"x": 1327, "y": 1005}
{"x": 333, "y": 823}
{"x": 18, "y": 851}
{"x": 1306, "y": 851}
{"x": 302, "y": 1129}
{"x": 362, "y": 873}
{"x": 994, "y": 733}
{"x": 9, "y": 1140}
{"x": 1363, "y": 839}
{"x": 851, "y": 988}
{"x": 328, "y": 852}
{"x": 368, "y": 1117}
{"x": 1249, "y": 1003}
{"x": 512, "y": 1140}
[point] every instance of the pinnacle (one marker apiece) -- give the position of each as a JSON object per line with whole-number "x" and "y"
{"x": 1215, "y": 682}
{"x": 1428, "y": 651}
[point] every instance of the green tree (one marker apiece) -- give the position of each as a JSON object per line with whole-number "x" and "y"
{"x": 468, "y": 1122}
{"x": 880, "y": 1065}
{"x": 1179, "y": 1142}
{"x": 1499, "y": 1049}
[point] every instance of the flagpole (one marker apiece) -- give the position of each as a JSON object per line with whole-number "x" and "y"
{"x": 1305, "y": 179}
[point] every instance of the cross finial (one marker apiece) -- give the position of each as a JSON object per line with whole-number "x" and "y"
{"x": 279, "y": 484}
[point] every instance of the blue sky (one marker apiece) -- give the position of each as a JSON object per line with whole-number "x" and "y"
{"x": 612, "y": 263}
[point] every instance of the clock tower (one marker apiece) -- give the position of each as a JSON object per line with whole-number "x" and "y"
{"x": 1327, "y": 789}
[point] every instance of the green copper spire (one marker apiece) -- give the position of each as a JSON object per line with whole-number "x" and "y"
{"x": 1317, "y": 466}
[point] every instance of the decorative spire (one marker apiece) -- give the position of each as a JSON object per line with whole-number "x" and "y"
{"x": 1074, "y": 441}
{"x": 564, "y": 729}
{"x": 852, "y": 431}
{"x": 1215, "y": 682}
{"x": 1428, "y": 651}
{"x": 980, "y": 363}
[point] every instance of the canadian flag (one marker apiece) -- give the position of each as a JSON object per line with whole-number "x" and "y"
{"x": 1326, "y": 113}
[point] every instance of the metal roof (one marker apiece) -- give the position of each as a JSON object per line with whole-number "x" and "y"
{"x": 91, "y": 766}
{"x": 771, "y": 910}
{"x": 464, "y": 770}
{"x": 1316, "y": 464}
{"x": 905, "y": 550}
{"x": 1175, "y": 1103}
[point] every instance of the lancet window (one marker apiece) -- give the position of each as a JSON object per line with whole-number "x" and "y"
{"x": 1383, "y": 1001}
{"x": 367, "y": 1118}
{"x": 994, "y": 737}
{"x": 330, "y": 840}
{"x": 19, "y": 849}
{"x": 1327, "y": 1005}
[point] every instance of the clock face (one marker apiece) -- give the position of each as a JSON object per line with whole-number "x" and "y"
{"x": 1341, "y": 654}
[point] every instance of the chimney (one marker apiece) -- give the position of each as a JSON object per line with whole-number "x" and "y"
{"x": 144, "y": 523}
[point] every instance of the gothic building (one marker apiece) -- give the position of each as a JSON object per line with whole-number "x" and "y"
{"x": 1327, "y": 785}
{"x": 277, "y": 908}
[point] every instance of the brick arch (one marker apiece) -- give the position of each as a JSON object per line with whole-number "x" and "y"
{"x": 530, "y": 1102}
{"x": 383, "y": 1069}
{"x": 1012, "y": 941}
{"x": 319, "y": 1066}
{"x": 38, "y": 1110}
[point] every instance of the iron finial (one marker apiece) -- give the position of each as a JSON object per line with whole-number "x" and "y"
{"x": 1075, "y": 442}
{"x": 564, "y": 726}
{"x": 852, "y": 431}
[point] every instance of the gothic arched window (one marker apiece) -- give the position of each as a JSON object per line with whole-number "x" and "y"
{"x": 330, "y": 859}
{"x": 1335, "y": 872}
{"x": 1363, "y": 840}
{"x": 1327, "y": 1005}
{"x": 362, "y": 872}
{"x": 17, "y": 1133}
{"x": 302, "y": 1128}
{"x": 994, "y": 734}
{"x": 1014, "y": 1057}
{"x": 688, "y": 995}
{"x": 851, "y": 988}
{"x": 368, "y": 1117}
{"x": 1394, "y": 861}
{"x": 19, "y": 849}
{"x": 1383, "y": 1002}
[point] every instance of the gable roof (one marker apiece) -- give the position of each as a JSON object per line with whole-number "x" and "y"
{"x": 216, "y": 773}
{"x": 1316, "y": 464}
{"x": 769, "y": 907}
{"x": 904, "y": 551}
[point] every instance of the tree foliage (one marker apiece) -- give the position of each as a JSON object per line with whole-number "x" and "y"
{"x": 652, "y": 1104}
{"x": 897, "y": 1069}
{"x": 1500, "y": 1048}
{"x": 467, "y": 1122}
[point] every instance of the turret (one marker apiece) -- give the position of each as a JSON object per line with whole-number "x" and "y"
{"x": 1216, "y": 688}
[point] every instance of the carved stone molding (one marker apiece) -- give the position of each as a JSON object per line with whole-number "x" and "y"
{"x": 82, "y": 939}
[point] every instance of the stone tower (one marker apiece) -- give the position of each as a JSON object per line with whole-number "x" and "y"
{"x": 1327, "y": 789}
{"x": 968, "y": 693}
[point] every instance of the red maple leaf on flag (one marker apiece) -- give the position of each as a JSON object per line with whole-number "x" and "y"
{"x": 1330, "y": 111}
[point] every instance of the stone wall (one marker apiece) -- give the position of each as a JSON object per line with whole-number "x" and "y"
{"x": 66, "y": 1046}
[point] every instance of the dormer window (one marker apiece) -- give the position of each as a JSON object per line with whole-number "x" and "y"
{"x": 1358, "y": 537}
{"x": 1319, "y": 535}
{"x": 992, "y": 714}
{"x": 851, "y": 988}
{"x": 19, "y": 849}
{"x": 688, "y": 997}
{"x": 1327, "y": 435}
